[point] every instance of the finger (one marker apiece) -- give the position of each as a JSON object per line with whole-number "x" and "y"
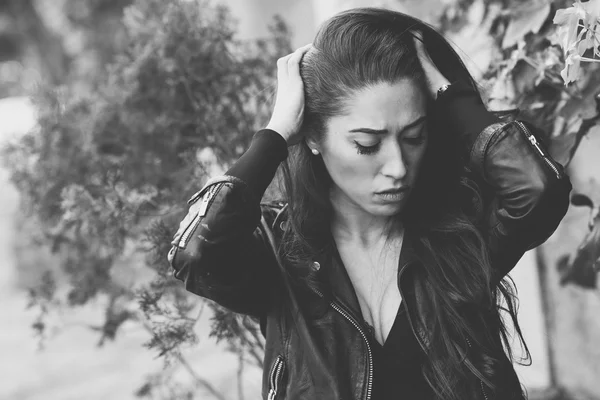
{"x": 417, "y": 35}
{"x": 419, "y": 45}
{"x": 282, "y": 68}
{"x": 283, "y": 60}
{"x": 294, "y": 60}
{"x": 417, "y": 39}
{"x": 297, "y": 55}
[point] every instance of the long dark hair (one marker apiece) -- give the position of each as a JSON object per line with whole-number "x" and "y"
{"x": 365, "y": 46}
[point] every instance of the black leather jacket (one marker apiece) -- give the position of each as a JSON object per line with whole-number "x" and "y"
{"x": 223, "y": 252}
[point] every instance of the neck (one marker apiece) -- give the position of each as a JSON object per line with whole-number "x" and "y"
{"x": 351, "y": 223}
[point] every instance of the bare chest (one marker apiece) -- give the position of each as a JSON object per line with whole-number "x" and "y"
{"x": 374, "y": 277}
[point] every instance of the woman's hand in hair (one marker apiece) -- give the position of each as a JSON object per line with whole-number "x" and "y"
{"x": 288, "y": 111}
{"x": 434, "y": 77}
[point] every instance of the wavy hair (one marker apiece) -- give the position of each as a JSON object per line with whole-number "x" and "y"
{"x": 365, "y": 46}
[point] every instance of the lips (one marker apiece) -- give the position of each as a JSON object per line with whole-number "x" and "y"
{"x": 393, "y": 190}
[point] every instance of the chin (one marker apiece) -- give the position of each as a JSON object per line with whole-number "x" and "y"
{"x": 386, "y": 210}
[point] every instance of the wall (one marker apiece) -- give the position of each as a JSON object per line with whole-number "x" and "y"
{"x": 574, "y": 312}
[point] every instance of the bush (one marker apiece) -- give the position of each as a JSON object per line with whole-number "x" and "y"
{"x": 108, "y": 172}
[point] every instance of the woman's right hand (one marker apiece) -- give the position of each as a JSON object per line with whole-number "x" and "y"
{"x": 288, "y": 111}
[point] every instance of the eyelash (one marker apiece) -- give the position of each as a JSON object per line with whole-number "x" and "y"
{"x": 367, "y": 149}
{"x": 373, "y": 149}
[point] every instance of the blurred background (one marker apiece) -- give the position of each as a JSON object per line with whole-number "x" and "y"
{"x": 113, "y": 112}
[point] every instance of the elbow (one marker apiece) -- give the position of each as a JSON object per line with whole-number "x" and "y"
{"x": 194, "y": 272}
{"x": 550, "y": 187}
{"x": 234, "y": 291}
{"x": 190, "y": 257}
{"x": 185, "y": 268}
{"x": 550, "y": 205}
{"x": 553, "y": 197}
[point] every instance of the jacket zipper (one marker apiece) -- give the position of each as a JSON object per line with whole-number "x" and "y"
{"x": 208, "y": 198}
{"x": 346, "y": 315}
{"x": 534, "y": 142}
{"x": 480, "y": 381}
{"x": 351, "y": 319}
{"x": 187, "y": 233}
{"x": 275, "y": 377}
{"x": 206, "y": 201}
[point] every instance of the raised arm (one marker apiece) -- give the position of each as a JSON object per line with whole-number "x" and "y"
{"x": 220, "y": 250}
{"x": 527, "y": 191}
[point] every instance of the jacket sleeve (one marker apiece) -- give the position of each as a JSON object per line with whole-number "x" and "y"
{"x": 220, "y": 251}
{"x": 527, "y": 190}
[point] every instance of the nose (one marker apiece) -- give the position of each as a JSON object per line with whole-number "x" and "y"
{"x": 393, "y": 165}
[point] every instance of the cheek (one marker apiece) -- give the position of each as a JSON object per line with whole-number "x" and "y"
{"x": 415, "y": 157}
{"x": 349, "y": 170}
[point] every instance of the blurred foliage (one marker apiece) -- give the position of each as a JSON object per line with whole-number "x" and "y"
{"x": 121, "y": 145}
{"x": 108, "y": 171}
{"x": 546, "y": 71}
{"x": 584, "y": 266}
{"x": 57, "y": 41}
{"x": 578, "y": 32}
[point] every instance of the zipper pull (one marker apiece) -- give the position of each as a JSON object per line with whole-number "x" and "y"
{"x": 204, "y": 205}
{"x": 194, "y": 197}
{"x": 369, "y": 329}
{"x": 533, "y": 140}
{"x": 535, "y": 143}
{"x": 207, "y": 198}
{"x": 271, "y": 395}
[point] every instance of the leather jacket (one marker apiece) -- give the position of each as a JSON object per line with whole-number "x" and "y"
{"x": 224, "y": 251}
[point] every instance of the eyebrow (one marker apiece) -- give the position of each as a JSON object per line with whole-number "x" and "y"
{"x": 385, "y": 131}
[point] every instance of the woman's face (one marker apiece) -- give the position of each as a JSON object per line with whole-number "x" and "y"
{"x": 376, "y": 146}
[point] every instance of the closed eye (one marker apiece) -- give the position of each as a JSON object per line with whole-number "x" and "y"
{"x": 367, "y": 149}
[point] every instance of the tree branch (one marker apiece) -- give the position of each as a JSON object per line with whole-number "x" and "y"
{"x": 198, "y": 379}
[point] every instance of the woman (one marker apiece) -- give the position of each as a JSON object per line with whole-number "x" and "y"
{"x": 382, "y": 275}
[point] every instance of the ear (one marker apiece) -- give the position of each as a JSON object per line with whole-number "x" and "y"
{"x": 311, "y": 142}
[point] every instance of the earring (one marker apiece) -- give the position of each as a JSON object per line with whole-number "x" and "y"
{"x": 315, "y": 151}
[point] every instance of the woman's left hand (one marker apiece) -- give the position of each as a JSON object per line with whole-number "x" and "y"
{"x": 434, "y": 77}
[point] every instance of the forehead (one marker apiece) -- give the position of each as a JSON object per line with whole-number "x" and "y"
{"x": 383, "y": 105}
